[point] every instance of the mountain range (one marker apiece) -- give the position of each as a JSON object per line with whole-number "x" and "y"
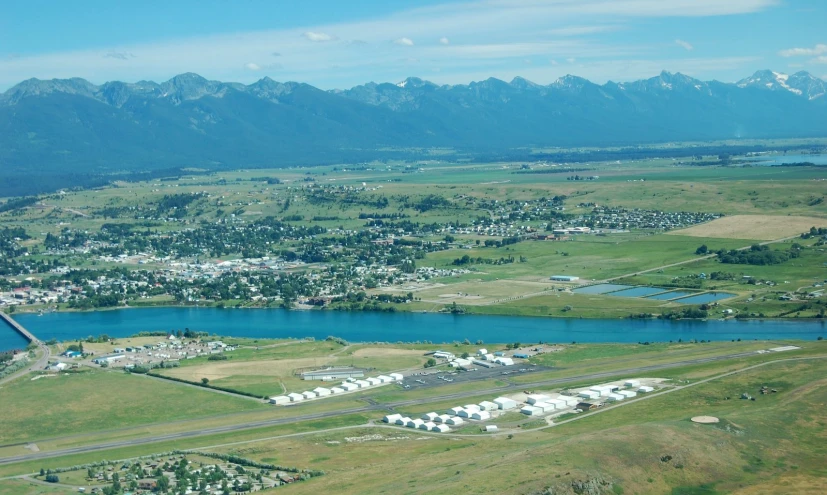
{"x": 64, "y": 131}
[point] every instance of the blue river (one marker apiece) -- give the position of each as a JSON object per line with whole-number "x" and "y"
{"x": 395, "y": 327}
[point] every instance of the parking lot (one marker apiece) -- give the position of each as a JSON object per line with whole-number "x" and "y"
{"x": 436, "y": 378}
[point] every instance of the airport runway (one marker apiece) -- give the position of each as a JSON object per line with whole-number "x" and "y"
{"x": 367, "y": 408}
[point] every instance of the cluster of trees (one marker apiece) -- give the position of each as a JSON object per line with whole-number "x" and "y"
{"x": 759, "y": 255}
{"x": 467, "y": 260}
{"x": 685, "y": 313}
{"x": 382, "y": 216}
{"x": 429, "y": 202}
{"x": 814, "y": 232}
{"x": 18, "y": 203}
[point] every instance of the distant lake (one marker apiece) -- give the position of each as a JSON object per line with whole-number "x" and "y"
{"x": 787, "y": 159}
{"x": 393, "y": 327}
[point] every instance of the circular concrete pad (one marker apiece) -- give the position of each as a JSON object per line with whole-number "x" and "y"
{"x": 705, "y": 420}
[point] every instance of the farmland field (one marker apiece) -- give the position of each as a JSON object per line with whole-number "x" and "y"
{"x": 759, "y": 227}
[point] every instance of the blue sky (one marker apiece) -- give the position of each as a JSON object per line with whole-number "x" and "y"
{"x": 341, "y": 43}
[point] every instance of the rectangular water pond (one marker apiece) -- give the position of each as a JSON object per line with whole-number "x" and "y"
{"x": 705, "y": 298}
{"x": 601, "y": 288}
{"x": 671, "y": 295}
{"x": 637, "y": 292}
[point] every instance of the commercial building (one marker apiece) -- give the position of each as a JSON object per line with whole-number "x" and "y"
{"x": 535, "y": 398}
{"x": 294, "y": 397}
{"x": 531, "y": 411}
{"x": 108, "y": 359}
{"x": 331, "y": 374}
{"x": 505, "y": 403}
{"x": 589, "y": 394}
{"x": 280, "y": 400}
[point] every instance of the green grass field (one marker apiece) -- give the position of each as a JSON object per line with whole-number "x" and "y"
{"x": 83, "y": 402}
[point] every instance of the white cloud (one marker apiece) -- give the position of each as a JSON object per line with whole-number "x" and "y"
{"x": 252, "y": 66}
{"x": 571, "y": 60}
{"x": 797, "y": 52}
{"x": 553, "y": 62}
{"x": 317, "y": 37}
{"x": 404, "y": 41}
{"x": 444, "y": 41}
{"x": 684, "y": 44}
{"x": 119, "y": 55}
{"x": 820, "y": 60}
{"x": 581, "y": 30}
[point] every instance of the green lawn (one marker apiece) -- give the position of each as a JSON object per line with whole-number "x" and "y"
{"x": 78, "y": 403}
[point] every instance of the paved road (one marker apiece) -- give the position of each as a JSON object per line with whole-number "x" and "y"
{"x": 44, "y": 350}
{"x": 636, "y": 371}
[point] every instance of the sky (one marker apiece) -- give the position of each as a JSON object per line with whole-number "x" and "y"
{"x": 342, "y": 43}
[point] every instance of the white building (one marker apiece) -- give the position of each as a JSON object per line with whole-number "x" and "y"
{"x": 454, "y": 421}
{"x": 403, "y": 421}
{"x": 603, "y": 390}
{"x": 385, "y": 378}
{"x": 294, "y": 397}
{"x": 309, "y": 395}
{"x": 505, "y": 403}
{"x": 337, "y": 390}
{"x": 456, "y": 410}
{"x": 321, "y": 391}
{"x": 373, "y": 381}
{"x": 484, "y": 364}
{"x": 488, "y": 406}
{"x": 645, "y": 389}
{"x": 491, "y": 428}
{"x": 279, "y": 400}
{"x": 531, "y": 411}
{"x": 632, "y": 383}
{"x": 482, "y": 352}
{"x": 396, "y": 376}
{"x": 504, "y": 361}
{"x": 427, "y": 426}
{"x": 589, "y": 394}
{"x": 392, "y": 418}
{"x": 415, "y": 423}
{"x": 431, "y": 416}
{"x": 441, "y": 428}
{"x": 615, "y": 397}
{"x": 442, "y": 418}
{"x": 481, "y": 416}
{"x": 535, "y": 398}
{"x": 362, "y": 383}
{"x": 348, "y": 387}
{"x": 627, "y": 393}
